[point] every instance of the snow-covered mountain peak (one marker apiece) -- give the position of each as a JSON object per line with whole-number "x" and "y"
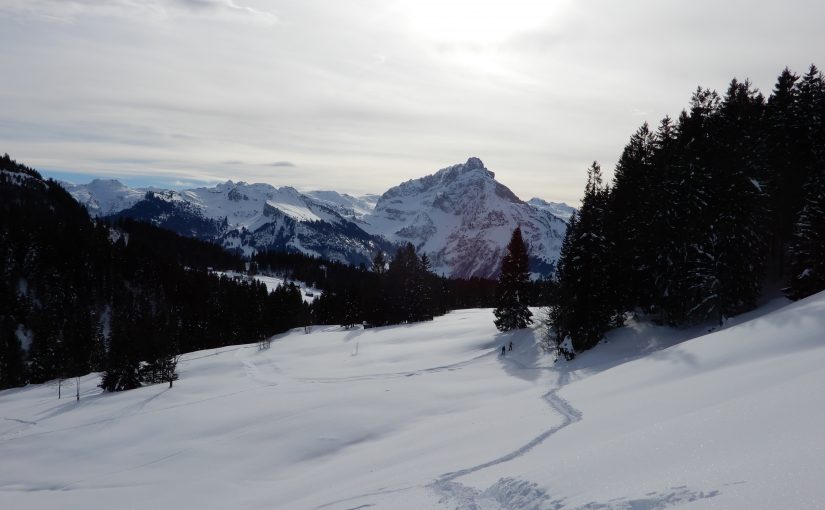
{"x": 463, "y": 218}
{"x": 105, "y": 196}
{"x": 450, "y": 180}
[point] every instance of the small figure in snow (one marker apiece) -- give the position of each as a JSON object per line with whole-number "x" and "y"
{"x": 502, "y": 350}
{"x": 511, "y": 346}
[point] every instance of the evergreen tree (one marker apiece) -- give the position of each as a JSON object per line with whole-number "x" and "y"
{"x": 740, "y": 199}
{"x": 12, "y": 367}
{"x": 807, "y": 248}
{"x": 632, "y": 205}
{"x": 785, "y": 144}
{"x": 122, "y": 367}
{"x": 585, "y": 302}
{"x": 513, "y": 286}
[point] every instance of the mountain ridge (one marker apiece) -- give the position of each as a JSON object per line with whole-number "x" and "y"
{"x": 459, "y": 215}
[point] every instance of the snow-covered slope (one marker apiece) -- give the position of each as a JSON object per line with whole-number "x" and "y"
{"x": 558, "y": 209}
{"x": 348, "y": 206}
{"x": 463, "y": 218}
{"x": 430, "y": 416}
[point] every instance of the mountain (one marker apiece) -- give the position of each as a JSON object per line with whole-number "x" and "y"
{"x": 238, "y": 216}
{"x": 462, "y": 218}
{"x": 103, "y": 197}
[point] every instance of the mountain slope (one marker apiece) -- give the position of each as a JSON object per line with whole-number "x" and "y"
{"x": 348, "y": 206}
{"x": 430, "y": 416}
{"x": 463, "y": 218}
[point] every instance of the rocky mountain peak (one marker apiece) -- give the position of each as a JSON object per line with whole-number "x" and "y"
{"x": 462, "y": 218}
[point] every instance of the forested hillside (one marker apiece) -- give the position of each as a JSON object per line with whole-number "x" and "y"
{"x": 77, "y": 295}
{"x": 703, "y": 213}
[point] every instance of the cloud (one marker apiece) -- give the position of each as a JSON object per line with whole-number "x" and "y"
{"x": 206, "y": 90}
{"x": 71, "y": 10}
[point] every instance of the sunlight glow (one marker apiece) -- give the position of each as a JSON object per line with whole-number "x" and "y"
{"x": 476, "y": 21}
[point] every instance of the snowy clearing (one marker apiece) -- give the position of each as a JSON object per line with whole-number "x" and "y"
{"x": 431, "y": 416}
{"x": 308, "y": 294}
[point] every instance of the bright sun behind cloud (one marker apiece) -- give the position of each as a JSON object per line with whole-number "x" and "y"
{"x": 476, "y": 21}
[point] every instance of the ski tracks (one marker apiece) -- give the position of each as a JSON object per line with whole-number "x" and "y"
{"x": 468, "y": 498}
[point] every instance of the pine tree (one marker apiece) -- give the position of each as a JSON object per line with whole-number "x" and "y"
{"x": 586, "y": 296}
{"x": 807, "y": 248}
{"x": 122, "y": 367}
{"x": 785, "y": 144}
{"x": 512, "y": 289}
{"x": 684, "y": 267}
{"x": 741, "y": 200}
{"x": 631, "y": 209}
{"x": 12, "y": 367}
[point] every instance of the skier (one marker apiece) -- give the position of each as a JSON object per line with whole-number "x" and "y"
{"x": 502, "y": 350}
{"x": 511, "y": 346}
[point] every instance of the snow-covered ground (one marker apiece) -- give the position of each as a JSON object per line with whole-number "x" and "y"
{"x": 308, "y": 294}
{"x": 431, "y": 416}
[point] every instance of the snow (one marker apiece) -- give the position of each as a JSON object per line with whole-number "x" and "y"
{"x": 430, "y": 416}
{"x": 308, "y": 293}
{"x": 242, "y": 204}
{"x": 348, "y": 206}
{"x": 558, "y": 209}
{"x": 104, "y": 196}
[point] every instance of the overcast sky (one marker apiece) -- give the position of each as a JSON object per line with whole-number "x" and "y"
{"x": 360, "y": 95}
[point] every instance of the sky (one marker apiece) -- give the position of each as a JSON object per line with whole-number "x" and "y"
{"x": 360, "y": 95}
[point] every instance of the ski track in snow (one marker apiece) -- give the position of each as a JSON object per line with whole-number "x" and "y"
{"x": 507, "y": 492}
{"x": 513, "y": 494}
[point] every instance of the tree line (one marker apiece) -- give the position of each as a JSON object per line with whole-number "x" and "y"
{"x": 703, "y": 213}
{"x": 395, "y": 289}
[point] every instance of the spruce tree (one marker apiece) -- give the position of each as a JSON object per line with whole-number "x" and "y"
{"x": 512, "y": 289}
{"x": 586, "y": 294}
{"x": 12, "y": 367}
{"x": 785, "y": 146}
{"x": 629, "y": 217}
{"x": 807, "y": 248}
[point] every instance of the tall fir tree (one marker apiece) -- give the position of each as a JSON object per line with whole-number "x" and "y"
{"x": 631, "y": 208}
{"x": 585, "y": 307}
{"x": 512, "y": 290}
{"x": 785, "y": 144}
{"x": 807, "y": 247}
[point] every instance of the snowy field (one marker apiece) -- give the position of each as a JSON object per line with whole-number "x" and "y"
{"x": 430, "y": 416}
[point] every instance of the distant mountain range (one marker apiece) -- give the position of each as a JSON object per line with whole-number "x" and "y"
{"x": 461, "y": 217}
